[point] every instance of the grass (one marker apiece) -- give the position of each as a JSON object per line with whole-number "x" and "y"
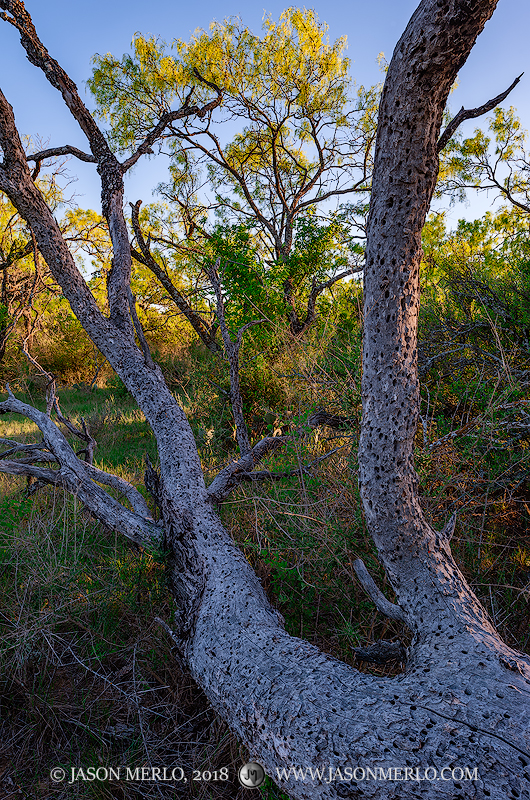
{"x": 88, "y": 677}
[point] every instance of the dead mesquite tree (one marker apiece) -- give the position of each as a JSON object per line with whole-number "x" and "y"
{"x": 464, "y": 699}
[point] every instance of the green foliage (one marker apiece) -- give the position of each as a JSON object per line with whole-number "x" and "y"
{"x": 69, "y": 583}
{"x": 60, "y": 344}
{"x": 4, "y": 316}
{"x": 292, "y": 63}
{"x": 255, "y": 290}
{"x": 244, "y": 279}
{"x": 302, "y": 136}
{"x": 74, "y": 591}
{"x": 479, "y": 275}
{"x": 498, "y": 161}
{"x": 474, "y": 361}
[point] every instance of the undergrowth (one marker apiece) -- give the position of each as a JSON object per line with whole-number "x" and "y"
{"x": 89, "y": 678}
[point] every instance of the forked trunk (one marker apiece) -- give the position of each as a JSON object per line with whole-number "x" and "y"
{"x": 464, "y": 701}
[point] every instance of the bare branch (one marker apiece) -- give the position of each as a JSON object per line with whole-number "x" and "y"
{"x": 464, "y": 114}
{"x": 83, "y": 434}
{"x": 375, "y": 594}
{"x": 132, "y": 494}
{"x": 242, "y": 470}
{"x": 230, "y": 477}
{"x": 235, "y": 478}
{"x": 171, "y": 116}
{"x": 37, "y": 454}
{"x": 449, "y": 529}
{"x": 79, "y": 478}
{"x": 134, "y": 497}
{"x": 66, "y": 150}
{"x": 52, "y": 403}
{"x": 140, "y": 331}
{"x": 19, "y": 447}
{"x": 120, "y": 484}
{"x": 50, "y": 476}
{"x": 232, "y": 355}
{"x": 145, "y": 257}
{"x": 467, "y": 428}
{"x": 50, "y": 389}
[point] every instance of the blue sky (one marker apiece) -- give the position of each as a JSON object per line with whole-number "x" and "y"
{"x": 73, "y": 31}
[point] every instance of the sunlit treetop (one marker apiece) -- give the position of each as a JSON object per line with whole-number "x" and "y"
{"x": 292, "y": 70}
{"x": 292, "y": 130}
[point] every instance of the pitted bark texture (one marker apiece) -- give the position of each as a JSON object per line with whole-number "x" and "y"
{"x": 464, "y": 699}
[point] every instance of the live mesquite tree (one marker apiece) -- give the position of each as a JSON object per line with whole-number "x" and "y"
{"x": 464, "y": 699}
{"x": 304, "y": 140}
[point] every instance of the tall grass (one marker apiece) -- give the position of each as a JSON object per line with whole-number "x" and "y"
{"x": 87, "y": 676}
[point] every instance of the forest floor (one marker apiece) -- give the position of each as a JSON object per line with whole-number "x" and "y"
{"x": 88, "y": 677}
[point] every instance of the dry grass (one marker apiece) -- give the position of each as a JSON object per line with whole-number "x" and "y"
{"x": 88, "y": 677}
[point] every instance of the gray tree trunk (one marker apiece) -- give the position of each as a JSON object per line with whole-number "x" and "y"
{"x": 464, "y": 699}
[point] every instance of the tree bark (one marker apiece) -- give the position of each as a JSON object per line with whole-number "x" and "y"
{"x": 423, "y": 68}
{"x": 464, "y": 699}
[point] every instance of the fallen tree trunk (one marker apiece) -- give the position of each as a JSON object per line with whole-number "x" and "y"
{"x": 463, "y": 702}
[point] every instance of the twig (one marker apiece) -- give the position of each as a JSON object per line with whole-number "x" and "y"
{"x": 52, "y": 402}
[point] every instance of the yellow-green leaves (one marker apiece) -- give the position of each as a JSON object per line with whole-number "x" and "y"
{"x": 291, "y": 131}
{"x": 495, "y": 162}
{"x": 133, "y": 92}
{"x": 292, "y": 61}
{"x": 290, "y": 69}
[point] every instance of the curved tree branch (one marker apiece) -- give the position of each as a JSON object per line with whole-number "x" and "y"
{"x": 171, "y": 116}
{"x": 66, "y": 150}
{"x": 232, "y": 475}
{"x": 375, "y": 594}
{"x": 79, "y": 477}
{"x": 205, "y": 333}
{"x": 471, "y": 113}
